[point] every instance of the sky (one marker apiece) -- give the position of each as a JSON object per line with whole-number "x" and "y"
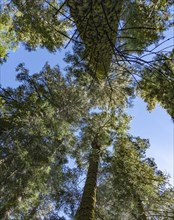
{"x": 156, "y": 126}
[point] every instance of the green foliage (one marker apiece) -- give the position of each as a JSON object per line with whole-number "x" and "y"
{"x": 34, "y": 138}
{"x": 33, "y": 23}
{"x": 51, "y": 118}
{"x": 41, "y": 116}
{"x": 37, "y": 24}
{"x": 106, "y": 28}
{"x": 144, "y": 23}
{"x": 157, "y": 84}
{"x": 110, "y": 28}
{"x": 116, "y": 90}
{"x": 8, "y": 39}
{"x": 135, "y": 189}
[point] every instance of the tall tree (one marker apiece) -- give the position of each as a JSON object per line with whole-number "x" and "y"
{"x": 121, "y": 29}
{"x": 36, "y": 130}
{"x": 135, "y": 188}
{"x": 50, "y": 117}
{"x": 110, "y": 98}
{"x": 41, "y": 115}
{"x": 130, "y": 151}
{"x": 97, "y": 136}
{"x": 105, "y": 28}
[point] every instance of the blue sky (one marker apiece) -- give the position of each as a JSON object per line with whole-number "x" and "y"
{"x": 156, "y": 126}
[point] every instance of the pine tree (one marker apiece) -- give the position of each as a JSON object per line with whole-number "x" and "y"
{"x": 51, "y": 118}
{"x": 122, "y": 29}
{"x": 157, "y": 83}
{"x": 35, "y": 24}
{"x": 105, "y": 28}
{"x": 36, "y": 132}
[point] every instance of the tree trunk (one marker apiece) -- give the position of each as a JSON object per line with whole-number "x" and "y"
{"x": 33, "y": 212}
{"x": 4, "y": 215}
{"x": 142, "y": 215}
{"x": 140, "y": 208}
{"x": 86, "y": 209}
{"x": 6, "y": 210}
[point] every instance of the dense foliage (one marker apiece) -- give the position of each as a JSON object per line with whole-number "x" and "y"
{"x": 157, "y": 83}
{"x": 65, "y": 147}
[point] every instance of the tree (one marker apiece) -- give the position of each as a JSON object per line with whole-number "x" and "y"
{"x": 110, "y": 97}
{"x": 121, "y": 29}
{"x": 7, "y": 35}
{"x": 97, "y": 137}
{"x": 52, "y": 117}
{"x": 157, "y": 83}
{"x": 113, "y": 29}
{"x": 34, "y": 138}
{"x": 32, "y": 23}
{"x": 40, "y": 120}
{"x": 135, "y": 188}
{"x": 45, "y": 96}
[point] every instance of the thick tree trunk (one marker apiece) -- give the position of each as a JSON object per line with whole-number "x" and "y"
{"x": 86, "y": 209}
{"x": 97, "y": 24}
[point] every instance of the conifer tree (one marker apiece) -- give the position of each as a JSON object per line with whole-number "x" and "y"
{"x": 156, "y": 85}
{"x": 51, "y": 117}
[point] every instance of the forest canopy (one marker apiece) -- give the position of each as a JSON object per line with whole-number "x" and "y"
{"x": 66, "y": 151}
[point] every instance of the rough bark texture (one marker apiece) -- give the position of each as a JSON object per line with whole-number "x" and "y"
{"x": 97, "y": 24}
{"x": 86, "y": 210}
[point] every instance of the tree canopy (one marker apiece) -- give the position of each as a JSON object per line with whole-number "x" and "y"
{"x": 155, "y": 87}
{"x": 65, "y": 146}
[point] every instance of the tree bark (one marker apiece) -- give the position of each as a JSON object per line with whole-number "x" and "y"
{"x": 142, "y": 215}
{"x": 140, "y": 208}
{"x": 86, "y": 209}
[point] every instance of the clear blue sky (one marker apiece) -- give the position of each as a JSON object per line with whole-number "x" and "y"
{"x": 156, "y": 126}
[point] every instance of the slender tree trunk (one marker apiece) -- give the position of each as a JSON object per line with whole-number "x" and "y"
{"x": 140, "y": 208}
{"x": 142, "y": 215}
{"x": 6, "y": 210}
{"x": 86, "y": 209}
{"x": 33, "y": 212}
{"x": 4, "y": 215}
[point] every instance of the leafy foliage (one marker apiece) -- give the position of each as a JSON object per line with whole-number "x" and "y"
{"x": 144, "y": 23}
{"x": 105, "y": 28}
{"x": 38, "y": 121}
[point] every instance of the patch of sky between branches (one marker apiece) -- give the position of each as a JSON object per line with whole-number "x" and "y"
{"x": 34, "y": 62}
